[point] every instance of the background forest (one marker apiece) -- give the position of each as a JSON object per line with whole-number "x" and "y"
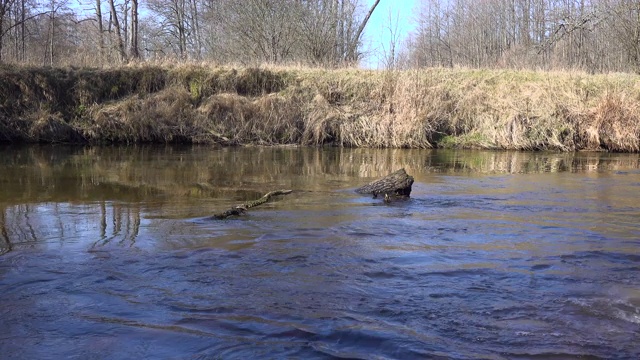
{"x": 595, "y": 36}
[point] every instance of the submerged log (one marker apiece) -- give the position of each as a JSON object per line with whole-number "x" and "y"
{"x": 242, "y": 208}
{"x": 397, "y": 184}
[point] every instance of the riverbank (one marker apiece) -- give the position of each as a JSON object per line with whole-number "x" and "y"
{"x": 457, "y": 108}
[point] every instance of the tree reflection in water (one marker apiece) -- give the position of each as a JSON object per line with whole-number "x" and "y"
{"x": 51, "y": 223}
{"x": 5, "y": 245}
{"x": 102, "y": 195}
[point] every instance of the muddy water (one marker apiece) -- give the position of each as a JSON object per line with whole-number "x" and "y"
{"x": 108, "y": 253}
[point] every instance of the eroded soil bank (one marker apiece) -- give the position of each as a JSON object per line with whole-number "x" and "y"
{"x": 462, "y": 108}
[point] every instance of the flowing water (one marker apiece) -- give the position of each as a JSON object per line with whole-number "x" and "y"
{"x": 109, "y": 253}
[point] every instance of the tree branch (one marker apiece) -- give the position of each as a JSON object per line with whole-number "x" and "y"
{"x": 356, "y": 39}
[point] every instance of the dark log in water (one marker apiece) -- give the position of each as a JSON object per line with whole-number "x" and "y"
{"x": 242, "y": 208}
{"x": 396, "y": 184}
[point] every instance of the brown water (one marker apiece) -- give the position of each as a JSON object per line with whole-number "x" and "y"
{"x": 107, "y": 253}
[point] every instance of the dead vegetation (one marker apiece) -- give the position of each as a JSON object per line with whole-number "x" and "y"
{"x": 461, "y": 108}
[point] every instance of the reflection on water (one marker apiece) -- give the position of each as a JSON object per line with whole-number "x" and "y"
{"x": 496, "y": 255}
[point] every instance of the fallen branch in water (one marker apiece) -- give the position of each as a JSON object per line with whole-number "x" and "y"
{"x": 242, "y": 208}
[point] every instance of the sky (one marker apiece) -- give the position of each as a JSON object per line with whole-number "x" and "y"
{"x": 377, "y": 35}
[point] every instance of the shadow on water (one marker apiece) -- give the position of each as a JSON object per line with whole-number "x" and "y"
{"x": 106, "y": 250}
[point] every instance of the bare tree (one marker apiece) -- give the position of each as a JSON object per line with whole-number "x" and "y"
{"x": 5, "y": 10}
{"x": 52, "y": 17}
{"x": 263, "y": 29}
{"x": 521, "y": 33}
{"x": 58, "y": 16}
{"x": 602, "y": 35}
{"x": 626, "y": 14}
{"x": 116, "y": 25}
{"x": 390, "y": 51}
{"x": 133, "y": 43}
{"x": 172, "y": 26}
{"x": 324, "y": 30}
{"x": 98, "y": 9}
{"x": 194, "y": 20}
{"x": 352, "y": 54}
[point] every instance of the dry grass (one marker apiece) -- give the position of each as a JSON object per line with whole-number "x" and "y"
{"x": 51, "y": 128}
{"x": 614, "y": 124}
{"x": 267, "y": 120}
{"x": 161, "y": 117}
{"x": 462, "y": 108}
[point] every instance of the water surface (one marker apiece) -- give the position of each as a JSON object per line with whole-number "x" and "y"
{"x": 108, "y": 253}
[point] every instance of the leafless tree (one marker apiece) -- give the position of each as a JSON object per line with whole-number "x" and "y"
{"x": 391, "y": 51}
{"x": 133, "y": 43}
{"x": 354, "y": 42}
{"x": 98, "y": 9}
{"x": 116, "y": 26}
{"x": 585, "y": 34}
{"x": 5, "y": 8}
{"x": 593, "y": 35}
{"x": 172, "y": 29}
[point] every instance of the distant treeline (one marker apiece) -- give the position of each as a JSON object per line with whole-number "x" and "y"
{"x": 437, "y": 107}
{"x": 591, "y": 35}
{"x": 99, "y": 33}
{"x": 587, "y": 35}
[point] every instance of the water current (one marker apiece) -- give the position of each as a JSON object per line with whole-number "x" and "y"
{"x": 108, "y": 252}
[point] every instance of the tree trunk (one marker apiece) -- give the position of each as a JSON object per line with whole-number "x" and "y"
{"x": 133, "y": 51}
{"x": 100, "y": 32}
{"x": 116, "y": 24}
{"x": 23, "y": 55}
{"x": 182, "y": 31}
{"x": 636, "y": 42}
{"x": 52, "y": 17}
{"x": 5, "y": 8}
{"x": 341, "y": 32}
{"x": 1, "y": 37}
{"x": 526, "y": 17}
{"x": 125, "y": 24}
{"x": 351, "y": 55}
{"x": 196, "y": 27}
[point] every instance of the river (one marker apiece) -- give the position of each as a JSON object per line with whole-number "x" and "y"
{"x": 108, "y": 252}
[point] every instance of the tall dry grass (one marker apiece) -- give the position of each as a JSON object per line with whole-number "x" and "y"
{"x": 461, "y": 108}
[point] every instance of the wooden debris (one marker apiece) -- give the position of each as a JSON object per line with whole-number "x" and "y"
{"x": 397, "y": 184}
{"x": 242, "y": 208}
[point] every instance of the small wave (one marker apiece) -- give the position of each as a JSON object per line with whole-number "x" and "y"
{"x": 611, "y": 256}
{"x": 549, "y": 355}
{"x": 620, "y": 309}
{"x": 540, "y": 267}
{"x": 626, "y": 316}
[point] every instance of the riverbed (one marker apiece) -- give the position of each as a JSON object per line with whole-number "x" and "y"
{"x": 108, "y": 252}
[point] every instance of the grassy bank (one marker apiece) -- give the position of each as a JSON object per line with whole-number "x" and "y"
{"x": 495, "y": 109}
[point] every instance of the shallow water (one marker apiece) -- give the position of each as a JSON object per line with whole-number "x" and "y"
{"x": 108, "y": 253}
